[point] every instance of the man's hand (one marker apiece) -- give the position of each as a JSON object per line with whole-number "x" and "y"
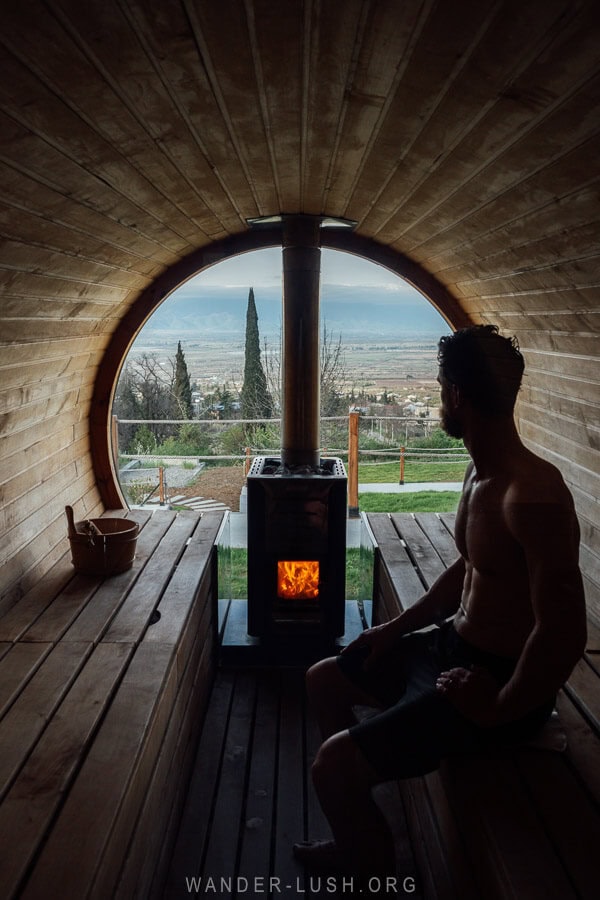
{"x": 375, "y": 642}
{"x": 473, "y": 692}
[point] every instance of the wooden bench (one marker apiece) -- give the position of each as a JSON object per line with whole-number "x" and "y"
{"x": 103, "y": 686}
{"x": 523, "y": 823}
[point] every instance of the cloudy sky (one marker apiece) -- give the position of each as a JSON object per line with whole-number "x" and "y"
{"x": 357, "y": 297}
{"x": 262, "y": 268}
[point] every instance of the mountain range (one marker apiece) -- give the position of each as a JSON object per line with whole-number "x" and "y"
{"x": 218, "y": 313}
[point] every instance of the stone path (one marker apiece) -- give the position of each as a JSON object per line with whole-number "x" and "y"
{"x": 175, "y": 477}
{"x": 197, "y": 503}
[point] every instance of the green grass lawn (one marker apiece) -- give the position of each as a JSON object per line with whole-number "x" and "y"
{"x": 233, "y": 573}
{"x": 420, "y": 501}
{"x": 414, "y": 472}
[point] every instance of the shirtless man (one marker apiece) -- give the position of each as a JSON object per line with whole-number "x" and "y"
{"x": 488, "y": 675}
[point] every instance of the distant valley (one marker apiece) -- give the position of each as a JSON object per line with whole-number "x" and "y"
{"x": 388, "y": 344}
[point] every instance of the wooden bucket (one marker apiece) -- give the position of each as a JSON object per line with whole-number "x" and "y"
{"x": 102, "y": 546}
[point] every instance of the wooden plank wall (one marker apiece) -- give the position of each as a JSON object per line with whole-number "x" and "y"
{"x": 464, "y": 137}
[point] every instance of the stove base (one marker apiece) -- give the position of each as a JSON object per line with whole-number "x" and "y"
{"x": 238, "y": 648}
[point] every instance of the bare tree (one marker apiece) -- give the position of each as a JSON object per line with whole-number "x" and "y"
{"x": 271, "y": 356}
{"x": 333, "y": 376}
{"x": 146, "y": 391}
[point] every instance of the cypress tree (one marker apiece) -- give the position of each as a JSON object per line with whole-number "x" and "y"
{"x": 182, "y": 389}
{"x": 256, "y": 401}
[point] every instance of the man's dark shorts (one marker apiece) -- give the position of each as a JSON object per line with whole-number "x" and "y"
{"x": 418, "y": 726}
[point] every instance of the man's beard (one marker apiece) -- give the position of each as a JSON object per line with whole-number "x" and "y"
{"x": 450, "y": 424}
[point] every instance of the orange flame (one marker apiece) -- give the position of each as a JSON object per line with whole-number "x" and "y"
{"x": 298, "y": 579}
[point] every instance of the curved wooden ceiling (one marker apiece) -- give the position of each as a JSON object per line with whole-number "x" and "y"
{"x": 134, "y": 134}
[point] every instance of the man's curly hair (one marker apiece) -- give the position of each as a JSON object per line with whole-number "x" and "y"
{"x": 486, "y": 367}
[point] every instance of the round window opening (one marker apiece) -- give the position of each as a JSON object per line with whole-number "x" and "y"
{"x": 199, "y": 393}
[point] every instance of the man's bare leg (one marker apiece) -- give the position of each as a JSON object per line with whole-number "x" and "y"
{"x": 343, "y": 780}
{"x": 332, "y": 697}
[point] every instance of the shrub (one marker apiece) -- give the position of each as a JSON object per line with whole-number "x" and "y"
{"x": 143, "y": 441}
{"x": 437, "y": 440}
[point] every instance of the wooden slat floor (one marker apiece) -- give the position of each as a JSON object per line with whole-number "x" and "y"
{"x": 250, "y": 797}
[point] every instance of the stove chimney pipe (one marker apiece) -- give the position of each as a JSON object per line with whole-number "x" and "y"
{"x": 301, "y": 344}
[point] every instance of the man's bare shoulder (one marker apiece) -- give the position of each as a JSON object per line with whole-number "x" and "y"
{"x": 536, "y": 481}
{"x": 539, "y": 510}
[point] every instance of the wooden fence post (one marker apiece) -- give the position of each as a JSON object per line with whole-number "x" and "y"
{"x": 353, "y": 511}
{"x": 161, "y": 485}
{"x": 247, "y": 463}
{"x": 401, "y": 480}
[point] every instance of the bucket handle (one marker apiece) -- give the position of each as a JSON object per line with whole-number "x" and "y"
{"x": 70, "y": 521}
{"x": 89, "y": 527}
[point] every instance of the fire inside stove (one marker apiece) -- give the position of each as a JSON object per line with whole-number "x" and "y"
{"x": 298, "y": 579}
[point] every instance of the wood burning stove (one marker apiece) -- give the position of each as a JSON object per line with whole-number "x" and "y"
{"x": 296, "y": 550}
{"x": 297, "y": 503}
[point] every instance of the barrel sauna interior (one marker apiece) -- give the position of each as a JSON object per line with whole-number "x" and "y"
{"x": 138, "y": 139}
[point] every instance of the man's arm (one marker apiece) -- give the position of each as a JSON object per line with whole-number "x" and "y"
{"x": 549, "y": 536}
{"x": 437, "y": 604}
